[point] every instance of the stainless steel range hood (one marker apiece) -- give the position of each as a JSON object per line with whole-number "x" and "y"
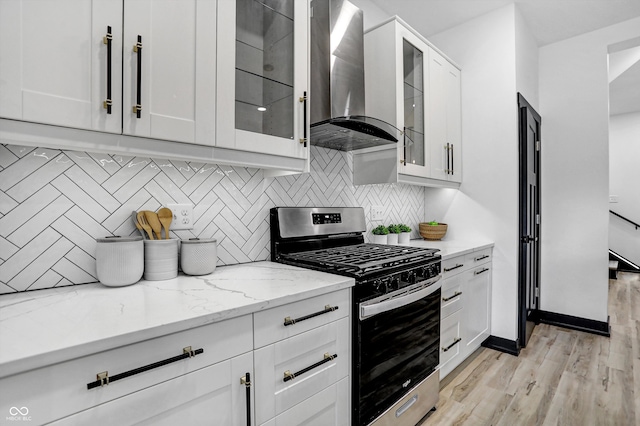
{"x": 337, "y": 110}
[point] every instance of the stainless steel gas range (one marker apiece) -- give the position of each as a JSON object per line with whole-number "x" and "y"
{"x": 395, "y": 310}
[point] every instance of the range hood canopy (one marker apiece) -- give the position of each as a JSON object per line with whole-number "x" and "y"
{"x": 338, "y": 119}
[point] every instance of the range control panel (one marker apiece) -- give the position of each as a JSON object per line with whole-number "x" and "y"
{"x": 324, "y": 218}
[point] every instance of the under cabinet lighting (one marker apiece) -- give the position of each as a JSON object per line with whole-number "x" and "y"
{"x": 262, "y": 109}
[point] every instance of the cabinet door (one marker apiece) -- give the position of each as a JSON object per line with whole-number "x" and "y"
{"x": 454, "y": 123}
{"x": 171, "y": 77}
{"x": 412, "y": 150}
{"x": 212, "y": 395}
{"x": 444, "y": 119}
{"x": 54, "y": 64}
{"x": 477, "y": 309}
{"x": 451, "y": 343}
{"x": 262, "y": 74}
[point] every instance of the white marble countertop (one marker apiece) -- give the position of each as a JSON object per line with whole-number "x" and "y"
{"x": 453, "y": 248}
{"x": 44, "y": 327}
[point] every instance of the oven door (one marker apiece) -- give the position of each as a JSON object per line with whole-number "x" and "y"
{"x": 398, "y": 346}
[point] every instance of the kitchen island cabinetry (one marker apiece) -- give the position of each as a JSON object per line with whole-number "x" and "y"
{"x": 424, "y": 86}
{"x": 466, "y": 307}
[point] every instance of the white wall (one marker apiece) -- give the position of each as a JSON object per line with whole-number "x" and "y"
{"x": 486, "y": 204}
{"x": 624, "y": 181}
{"x": 372, "y": 14}
{"x": 526, "y": 62}
{"x": 575, "y": 171}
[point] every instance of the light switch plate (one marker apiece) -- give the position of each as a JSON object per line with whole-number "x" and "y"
{"x": 182, "y": 216}
{"x": 613, "y": 198}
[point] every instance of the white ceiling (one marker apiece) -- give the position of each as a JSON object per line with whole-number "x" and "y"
{"x": 550, "y": 21}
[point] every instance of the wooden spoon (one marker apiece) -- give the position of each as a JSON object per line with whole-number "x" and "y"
{"x": 143, "y": 222}
{"x": 152, "y": 220}
{"x": 165, "y": 216}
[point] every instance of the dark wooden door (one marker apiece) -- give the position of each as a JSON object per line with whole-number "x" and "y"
{"x": 529, "y": 223}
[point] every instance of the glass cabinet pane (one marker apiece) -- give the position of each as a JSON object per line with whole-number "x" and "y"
{"x": 264, "y": 67}
{"x": 413, "y": 69}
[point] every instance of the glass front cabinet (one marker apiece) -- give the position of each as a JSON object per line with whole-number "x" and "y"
{"x": 402, "y": 66}
{"x": 262, "y": 76}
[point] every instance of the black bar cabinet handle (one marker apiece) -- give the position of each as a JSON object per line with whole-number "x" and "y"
{"x": 481, "y": 271}
{"x": 326, "y": 310}
{"x": 104, "y": 378}
{"x": 137, "y": 108}
{"x": 288, "y": 375}
{"x": 303, "y": 99}
{"x": 456, "y": 294}
{"x": 477, "y": 259}
{"x": 455, "y": 342}
{"x": 459, "y": 265}
{"x": 452, "y": 162}
{"x": 246, "y": 381}
{"x": 107, "y": 40}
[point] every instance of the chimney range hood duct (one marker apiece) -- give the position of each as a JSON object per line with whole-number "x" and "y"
{"x": 338, "y": 118}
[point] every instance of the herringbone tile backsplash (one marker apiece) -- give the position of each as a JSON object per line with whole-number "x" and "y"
{"x": 54, "y": 204}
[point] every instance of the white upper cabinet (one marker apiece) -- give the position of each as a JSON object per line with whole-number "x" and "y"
{"x": 412, "y": 86}
{"x": 444, "y": 115}
{"x": 169, "y": 70}
{"x": 59, "y": 60}
{"x": 262, "y": 75}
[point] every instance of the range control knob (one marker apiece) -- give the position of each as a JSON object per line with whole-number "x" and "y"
{"x": 394, "y": 283}
{"x": 380, "y": 286}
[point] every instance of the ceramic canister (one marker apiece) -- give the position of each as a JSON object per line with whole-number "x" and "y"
{"x": 119, "y": 260}
{"x": 198, "y": 256}
{"x": 160, "y": 259}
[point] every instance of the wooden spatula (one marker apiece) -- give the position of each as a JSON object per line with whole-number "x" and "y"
{"x": 152, "y": 220}
{"x": 165, "y": 216}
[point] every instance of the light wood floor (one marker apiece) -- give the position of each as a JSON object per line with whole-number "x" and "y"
{"x": 563, "y": 377}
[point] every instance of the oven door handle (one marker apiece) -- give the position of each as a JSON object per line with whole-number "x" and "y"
{"x": 367, "y": 311}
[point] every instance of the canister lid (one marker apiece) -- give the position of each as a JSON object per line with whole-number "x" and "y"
{"x": 118, "y": 239}
{"x": 199, "y": 240}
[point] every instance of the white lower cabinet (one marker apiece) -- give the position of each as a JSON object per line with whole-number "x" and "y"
{"x": 327, "y": 407}
{"x": 466, "y": 307}
{"x": 212, "y": 395}
{"x": 212, "y": 377}
{"x": 297, "y": 355}
{"x": 304, "y": 357}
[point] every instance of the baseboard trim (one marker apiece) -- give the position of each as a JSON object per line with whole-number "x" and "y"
{"x": 576, "y": 323}
{"x": 503, "y": 345}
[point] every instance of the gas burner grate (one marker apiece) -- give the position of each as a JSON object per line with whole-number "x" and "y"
{"x": 361, "y": 258}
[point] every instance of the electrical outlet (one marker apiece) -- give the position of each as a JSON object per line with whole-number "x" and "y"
{"x": 182, "y": 216}
{"x": 377, "y": 212}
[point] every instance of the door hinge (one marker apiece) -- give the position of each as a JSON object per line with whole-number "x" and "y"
{"x": 537, "y": 219}
{"x": 538, "y": 292}
{"x": 537, "y": 145}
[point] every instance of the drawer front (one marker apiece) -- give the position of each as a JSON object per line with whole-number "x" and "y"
{"x": 452, "y": 295}
{"x": 269, "y": 325}
{"x": 59, "y": 390}
{"x": 328, "y": 407}
{"x": 479, "y": 257}
{"x": 304, "y": 356}
{"x": 212, "y": 395}
{"x": 450, "y": 343}
{"x": 454, "y": 266}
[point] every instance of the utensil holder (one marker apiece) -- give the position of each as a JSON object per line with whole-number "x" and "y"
{"x": 160, "y": 259}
